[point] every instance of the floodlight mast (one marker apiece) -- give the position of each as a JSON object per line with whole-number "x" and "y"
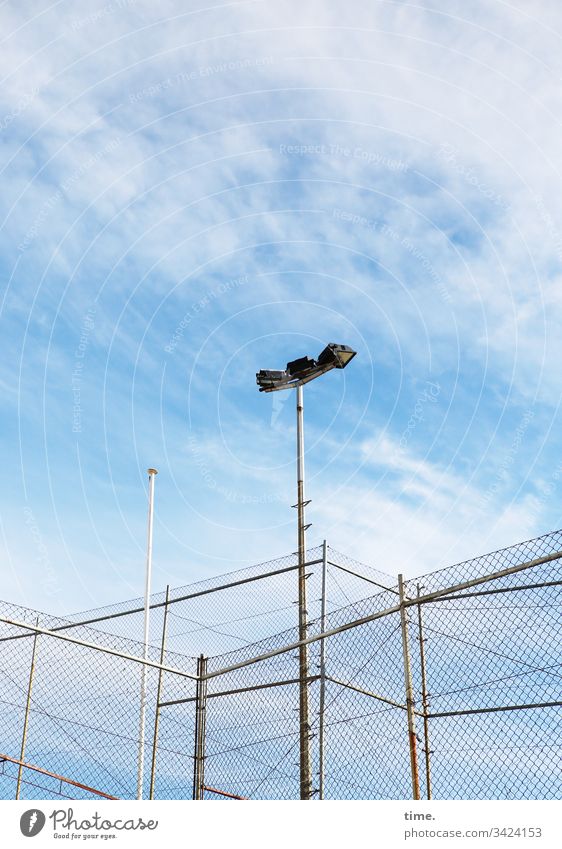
{"x": 297, "y": 374}
{"x": 304, "y": 721}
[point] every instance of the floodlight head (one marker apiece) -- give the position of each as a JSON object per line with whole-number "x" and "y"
{"x": 269, "y": 379}
{"x": 305, "y": 369}
{"x": 300, "y": 366}
{"x": 339, "y": 356}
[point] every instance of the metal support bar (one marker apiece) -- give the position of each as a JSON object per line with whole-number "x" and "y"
{"x": 54, "y": 775}
{"x": 200, "y": 727}
{"x": 498, "y": 591}
{"x": 493, "y": 576}
{"x": 409, "y": 691}
{"x": 492, "y": 710}
{"x": 158, "y": 695}
{"x": 362, "y": 577}
{"x": 304, "y": 723}
{"x": 322, "y": 708}
{"x": 237, "y": 692}
{"x": 425, "y": 700}
{"x": 27, "y": 710}
{"x": 224, "y": 793}
{"x": 371, "y": 695}
{"x": 26, "y": 626}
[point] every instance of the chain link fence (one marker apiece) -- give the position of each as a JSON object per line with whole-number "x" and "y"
{"x": 445, "y": 686}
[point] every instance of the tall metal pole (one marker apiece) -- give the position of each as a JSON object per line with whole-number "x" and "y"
{"x": 158, "y": 694}
{"x": 200, "y": 730}
{"x": 410, "y": 701}
{"x": 27, "y": 710}
{"x": 425, "y": 701}
{"x": 144, "y": 673}
{"x": 322, "y": 727}
{"x": 305, "y": 773}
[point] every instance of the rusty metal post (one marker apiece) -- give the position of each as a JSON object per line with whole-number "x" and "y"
{"x": 322, "y": 710}
{"x": 200, "y": 723}
{"x": 410, "y": 701}
{"x": 425, "y": 700}
{"x": 158, "y": 695}
{"x": 304, "y": 723}
{"x": 27, "y": 710}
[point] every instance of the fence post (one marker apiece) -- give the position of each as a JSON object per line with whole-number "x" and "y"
{"x": 321, "y": 734}
{"x": 425, "y": 701}
{"x": 158, "y": 694}
{"x": 200, "y": 722}
{"x": 27, "y": 710}
{"x": 409, "y": 692}
{"x": 146, "y": 637}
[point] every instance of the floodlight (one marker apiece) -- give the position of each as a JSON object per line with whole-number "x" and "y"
{"x": 339, "y": 355}
{"x": 305, "y": 369}
{"x": 268, "y": 380}
{"x": 300, "y": 366}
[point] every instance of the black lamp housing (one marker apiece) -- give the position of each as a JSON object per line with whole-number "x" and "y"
{"x": 339, "y": 356}
{"x": 300, "y": 366}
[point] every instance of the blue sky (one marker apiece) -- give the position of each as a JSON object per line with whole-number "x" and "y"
{"x": 192, "y": 193}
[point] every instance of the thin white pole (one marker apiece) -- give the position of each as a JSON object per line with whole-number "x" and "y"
{"x": 144, "y": 674}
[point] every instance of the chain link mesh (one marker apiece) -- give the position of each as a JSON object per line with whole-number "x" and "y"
{"x": 492, "y": 699}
